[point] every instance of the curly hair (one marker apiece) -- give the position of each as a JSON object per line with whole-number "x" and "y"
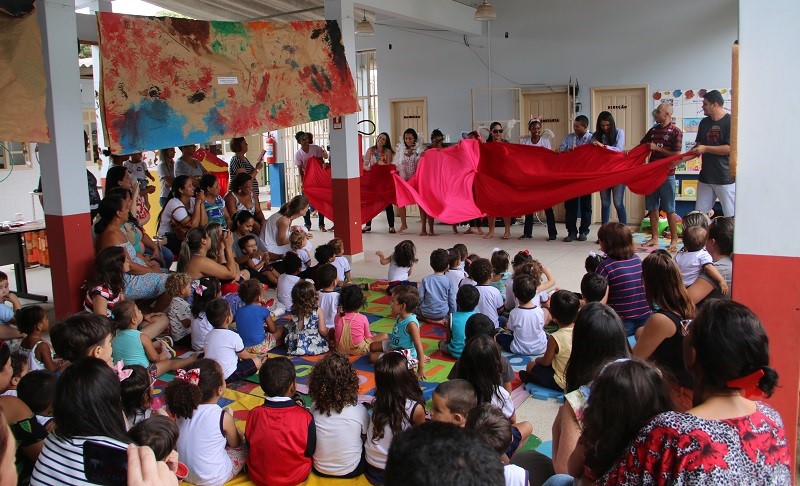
{"x": 532, "y": 268}
{"x": 481, "y": 270}
{"x": 351, "y": 299}
{"x": 176, "y": 283}
{"x": 333, "y": 384}
{"x": 297, "y": 240}
{"x": 183, "y": 398}
{"x": 304, "y": 299}
{"x": 405, "y": 254}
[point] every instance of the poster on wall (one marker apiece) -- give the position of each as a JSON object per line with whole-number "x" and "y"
{"x": 687, "y": 111}
{"x": 168, "y": 81}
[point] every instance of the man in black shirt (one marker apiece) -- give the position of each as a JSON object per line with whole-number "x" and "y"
{"x": 713, "y": 146}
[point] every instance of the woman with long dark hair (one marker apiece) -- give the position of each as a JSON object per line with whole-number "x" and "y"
{"x": 380, "y": 154}
{"x": 194, "y": 261}
{"x": 496, "y": 135}
{"x": 406, "y": 158}
{"x": 179, "y": 215}
{"x": 240, "y": 197}
{"x": 607, "y": 135}
{"x": 278, "y": 227}
{"x": 214, "y": 205}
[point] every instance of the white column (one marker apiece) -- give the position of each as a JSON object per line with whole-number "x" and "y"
{"x": 99, "y": 6}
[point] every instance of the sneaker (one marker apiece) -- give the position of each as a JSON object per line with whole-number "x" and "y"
{"x": 582, "y": 237}
{"x": 552, "y": 237}
{"x": 525, "y": 377}
{"x": 523, "y": 237}
{"x": 569, "y": 238}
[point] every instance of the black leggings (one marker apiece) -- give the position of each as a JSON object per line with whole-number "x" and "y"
{"x": 389, "y": 216}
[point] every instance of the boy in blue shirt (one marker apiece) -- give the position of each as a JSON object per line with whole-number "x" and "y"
{"x": 437, "y": 294}
{"x": 466, "y": 301}
{"x": 253, "y": 320}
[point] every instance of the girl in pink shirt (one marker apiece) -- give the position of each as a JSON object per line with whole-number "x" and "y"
{"x": 353, "y": 335}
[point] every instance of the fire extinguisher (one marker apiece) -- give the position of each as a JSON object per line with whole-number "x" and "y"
{"x": 269, "y": 148}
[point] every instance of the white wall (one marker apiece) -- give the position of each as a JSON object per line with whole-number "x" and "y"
{"x": 608, "y": 43}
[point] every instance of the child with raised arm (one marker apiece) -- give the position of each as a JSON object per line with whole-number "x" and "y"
{"x": 341, "y": 263}
{"x": 400, "y": 262}
{"x": 694, "y": 258}
{"x": 550, "y": 370}
{"x": 490, "y": 302}
{"x": 254, "y": 323}
{"x": 404, "y": 337}
{"x": 524, "y": 263}
{"x": 437, "y": 294}
{"x": 466, "y": 301}
{"x": 226, "y": 347}
{"x": 526, "y": 321}
{"x": 281, "y": 434}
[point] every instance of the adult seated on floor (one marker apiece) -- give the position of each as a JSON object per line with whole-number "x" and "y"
{"x": 240, "y": 197}
{"x": 28, "y": 433}
{"x": 726, "y": 438}
{"x": 661, "y": 337}
{"x": 278, "y": 227}
{"x": 193, "y": 259}
{"x": 720, "y": 246}
{"x": 144, "y": 280}
{"x": 119, "y": 179}
{"x": 215, "y": 206}
{"x": 178, "y": 215}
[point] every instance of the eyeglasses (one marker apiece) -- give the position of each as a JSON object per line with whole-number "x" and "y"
{"x": 497, "y": 131}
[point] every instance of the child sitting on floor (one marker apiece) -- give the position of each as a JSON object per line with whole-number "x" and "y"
{"x": 254, "y": 323}
{"x": 38, "y": 390}
{"x": 525, "y": 322}
{"x": 19, "y": 368}
{"x": 592, "y": 262}
{"x": 550, "y": 370}
{"x": 468, "y": 280}
{"x": 478, "y": 325}
{"x": 32, "y": 320}
{"x": 400, "y": 262}
{"x": 694, "y": 258}
{"x": 226, "y": 347}
{"x": 279, "y": 429}
{"x": 257, "y": 261}
{"x": 466, "y": 301}
{"x": 455, "y": 270}
{"x": 288, "y": 279}
{"x": 137, "y": 394}
{"x": 105, "y": 287}
{"x": 307, "y": 333}
{"x": 134, "y": 347}
{"x": 404, "y": 337}
{"x": 328, "y": 296}
{"x": 461, "y": 248}
{"x": 6, "y": 312}
{"x": 490, "y": 302}
{"x": 353, "y": 336}
{"x": 161, "y": 435}
{"x": 398, "y": 405}
{"x": 452, "y": 401}
{"x": 437, "y": 294}
{"x": 323, "y": 254}
{"x": 298, "y": 241}
{"x": 538, "y": 272}
{"x": 500, "y": 273}
{"x": 341, "y": 422}
{"x": 179, "y": 312}
{"x": 495, "y": 429}
{"x": 206, "y": 291}
{"x": 208, "y": 443}
{"x": 594, "y": 288}
{"x": 83, "y": 334}
{"x": 341, "y": 263}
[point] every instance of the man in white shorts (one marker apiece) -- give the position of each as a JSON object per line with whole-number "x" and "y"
{"x": 713, "y": 146}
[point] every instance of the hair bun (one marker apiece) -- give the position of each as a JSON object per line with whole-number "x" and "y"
{"x": 769, "y": 381}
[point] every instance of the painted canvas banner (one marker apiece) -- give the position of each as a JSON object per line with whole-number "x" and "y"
{"x": 170, "y": 81}
{"x": 22, "y": 81}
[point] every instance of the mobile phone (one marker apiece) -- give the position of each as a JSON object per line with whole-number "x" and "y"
{"x": 105, "y": 464}
{"x": 261, "y": 156}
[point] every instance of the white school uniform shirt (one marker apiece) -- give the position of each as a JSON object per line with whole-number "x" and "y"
{"x": 342, "y": 265}
{"x": 305, "y": 258}
{"x": 329, "y": 303}
{"x": 511, "y": 300}
{"x": 515, "y": 475}
{"x": 527, "y": 324}
{"x": 456, "y": 276}
{"x": 201, "y": 445}
{"x": 397, "y": 273}
{"x": 503, "y": 402}
{"x": 377, "y": 452}
{"x": 467, "y": 281}
{"x": 490, "y": 300}
{"x": 691, "y": 264}
{"x": 222, "y": 345}
{"x": 285, "y": 285}
{"x": 339, "y": 441}
{"x": 200, "y": 328}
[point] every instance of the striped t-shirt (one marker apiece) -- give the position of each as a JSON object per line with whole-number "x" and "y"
{"x": 625, "y": 287}
{"x": 61, "y": 460}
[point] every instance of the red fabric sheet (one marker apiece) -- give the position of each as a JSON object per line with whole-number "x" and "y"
{"x": 472, "y": 179}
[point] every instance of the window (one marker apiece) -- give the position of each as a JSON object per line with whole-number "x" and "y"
{"x": 14, "y": 153}
{"x": 367, "y": 88}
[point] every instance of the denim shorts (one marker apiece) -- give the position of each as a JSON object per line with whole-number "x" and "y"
{"x": 664, "y": 197}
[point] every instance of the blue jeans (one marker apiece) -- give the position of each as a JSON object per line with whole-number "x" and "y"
{"x": 560, "y": 480}
{"x": 631, "y": 325}
{"x": 166, "y": 254}
{"x": 619, "y": 203}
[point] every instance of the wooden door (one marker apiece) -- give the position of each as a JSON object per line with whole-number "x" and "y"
{"x": 409, "y": 113}
{"x": 629, "y": 106}
{"x": 552, "y": 107}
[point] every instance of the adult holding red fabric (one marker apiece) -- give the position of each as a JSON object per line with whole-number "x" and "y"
{"x": 664, "y": 139}
{"x": 406, "y": 158}
{"x": 305, "y": 152}
{"x": 380, "y": 154}
{"x": 580, "y": 136}
{"x": 496, "y": 135}
{"x": 537, "y": 140}
{"x": 607, "y": 135}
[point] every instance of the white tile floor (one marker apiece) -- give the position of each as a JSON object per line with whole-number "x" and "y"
{"x": 565, "y": 260}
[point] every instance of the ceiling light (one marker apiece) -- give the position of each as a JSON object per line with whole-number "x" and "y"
{"x": 485, "y": 12}
{"x": 364, "y": 28}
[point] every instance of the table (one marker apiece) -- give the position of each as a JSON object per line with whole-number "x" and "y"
{"x": 12, "y": 251}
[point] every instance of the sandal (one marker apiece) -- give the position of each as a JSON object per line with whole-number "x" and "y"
{"x": 392, "y": 231}
{"x": 366, "y": 229}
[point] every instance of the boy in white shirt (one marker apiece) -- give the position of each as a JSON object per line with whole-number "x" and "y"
{"x": 526, "y": 322}
{"x": 491, "y": 300}
{"x": 287, "y": 280}
{"x": 328, "y": 296}
{"x": 226, "y": 347}
{"x": 341, "y": 263}
{"x": 694, "y": 258}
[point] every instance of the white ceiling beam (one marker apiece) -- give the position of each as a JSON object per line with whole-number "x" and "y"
{"x": 444, "y": 14}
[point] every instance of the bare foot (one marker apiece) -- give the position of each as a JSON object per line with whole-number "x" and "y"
{"x": 480, "y": 231}
{"x": 471, "y": 231}
{"x": 488, "y": 235}
{"x": 673, "y": 247}
{"x": 652, "y": 242}
{"x": 423, "y": 234}
{"x": 402, "y": 228}
{"x": 506, "y": 236}
{"x": 431, "y": 233}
